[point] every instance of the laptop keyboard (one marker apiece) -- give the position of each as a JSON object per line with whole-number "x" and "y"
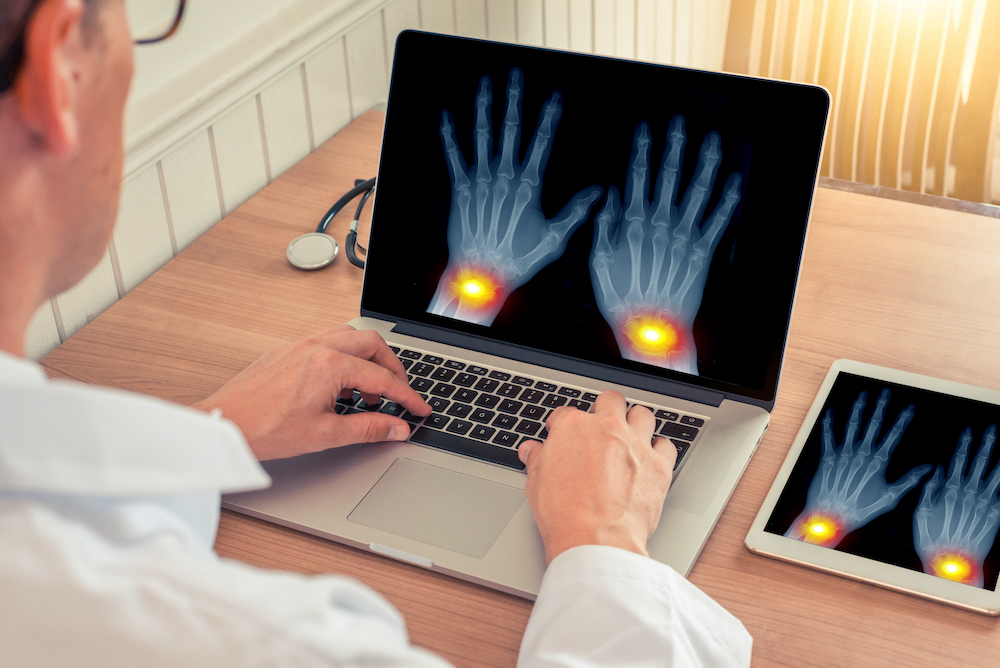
{"x": 486, "y": 413}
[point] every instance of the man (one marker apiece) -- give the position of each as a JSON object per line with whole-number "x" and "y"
{"x": 109, "y": 501}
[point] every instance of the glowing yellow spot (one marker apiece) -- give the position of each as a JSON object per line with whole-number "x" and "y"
{"x": 475, "y": 288}
{"x": 652, "y": 334}
{"x": 952, "y": 566}
{"x": 820, "y": 529}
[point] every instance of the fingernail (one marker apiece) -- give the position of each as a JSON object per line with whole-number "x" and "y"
{"x": 399, "y": 433}
{"x": 522, "y": 453}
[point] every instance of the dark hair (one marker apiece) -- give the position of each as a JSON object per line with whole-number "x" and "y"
{"x": 14, "y": 17}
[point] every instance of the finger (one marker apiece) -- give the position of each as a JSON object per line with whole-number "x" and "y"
{"x": 525, "y": 452}
{"x": 927, "y": 496}
{"x": 610, "y": 401}
{"x": 454, "y": 158}
{"x": 541, "y": 144}
{"x": 370, "y": 428}
{"x": 637, "y": 185}
{"x": 719, "y": 220}
{"x": 896, "y": 433}
{"x": 369, "y": 378}
{"x": 484, "y": 102}
{"x": 601, "y": 257}
{"x": 985, "y": 448}
{"x": 640, "y": 419}
{"x": 908, "y": 481}
{"x": 875, "y": 423}
{"x": 511, "y": 125}
{"x": 855, "y": 422}
{"x": 993, "y": 482}
{"x": 555, "y": 235}
{"x": 367, "y": 345}
{"x": 666, "y": 187}
{"x": 693, "y": 205}
{"x": 958, "y": 461}
{"x": 828, "y": 453}
{"x": 663, "y": 447}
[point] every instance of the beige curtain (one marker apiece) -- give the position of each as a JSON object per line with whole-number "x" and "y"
{"x": 914, "y": 83}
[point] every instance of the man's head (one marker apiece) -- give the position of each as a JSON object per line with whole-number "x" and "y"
{"x": 61, "y": 136}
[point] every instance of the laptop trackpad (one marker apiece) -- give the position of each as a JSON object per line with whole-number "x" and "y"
{"x": 439, "y": 507}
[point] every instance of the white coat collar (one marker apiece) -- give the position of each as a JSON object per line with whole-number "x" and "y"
{"x": 67, "y": 438}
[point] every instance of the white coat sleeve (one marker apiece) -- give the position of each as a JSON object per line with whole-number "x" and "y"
{"x": 603, "y": 606}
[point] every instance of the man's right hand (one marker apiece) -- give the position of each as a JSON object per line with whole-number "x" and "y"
{"x": 596, "y": 480}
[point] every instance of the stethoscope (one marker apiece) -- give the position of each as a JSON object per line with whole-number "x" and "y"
{"x": 318, "y": 249}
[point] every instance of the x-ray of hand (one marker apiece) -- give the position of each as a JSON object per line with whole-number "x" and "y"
{"x": 954, "y": 527}
{"x": 841, "y": 498}
{"x": 650, "y": 261}
{"x": 498, "y": 236}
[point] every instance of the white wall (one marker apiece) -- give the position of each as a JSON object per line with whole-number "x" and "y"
{"x": 247, "y": 88}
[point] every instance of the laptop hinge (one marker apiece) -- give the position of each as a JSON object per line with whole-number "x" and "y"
{"x": 563, "y": 363}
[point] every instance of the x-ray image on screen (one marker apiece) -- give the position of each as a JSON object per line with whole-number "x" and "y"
{"x": 498, "y": 236}
{"x": 650, "y": 260}
{"x": 839, "y": 495}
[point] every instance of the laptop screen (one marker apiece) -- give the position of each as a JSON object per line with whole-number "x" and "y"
{"x": 625, "y": 215}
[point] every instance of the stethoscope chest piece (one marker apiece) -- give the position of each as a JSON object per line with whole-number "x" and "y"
{"x": 312, "y": 251}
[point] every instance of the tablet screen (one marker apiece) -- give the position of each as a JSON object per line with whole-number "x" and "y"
{"x": 901, "y": 475}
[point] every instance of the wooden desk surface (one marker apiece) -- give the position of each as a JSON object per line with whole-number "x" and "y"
{"x": 886, "y": 282}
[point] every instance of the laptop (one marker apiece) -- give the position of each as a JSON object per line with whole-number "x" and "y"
{"x": 548, "y": 226}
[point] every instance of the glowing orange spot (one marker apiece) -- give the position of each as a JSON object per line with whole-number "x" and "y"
{"x": 953, "y": 566}
{"x": 475, "y": 288}
{"x": 820, "y": 529}
{"x": 652, "y": 334}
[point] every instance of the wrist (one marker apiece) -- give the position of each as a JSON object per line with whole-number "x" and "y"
{"x": 556, "y": 545}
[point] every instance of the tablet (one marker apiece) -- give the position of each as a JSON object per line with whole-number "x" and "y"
{"x": 893, "y": 480}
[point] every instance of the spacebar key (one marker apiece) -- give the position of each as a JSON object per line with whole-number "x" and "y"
{"x": 467, "y": 446}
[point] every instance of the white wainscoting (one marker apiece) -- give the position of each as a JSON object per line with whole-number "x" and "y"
{"x": 204, "y": 134}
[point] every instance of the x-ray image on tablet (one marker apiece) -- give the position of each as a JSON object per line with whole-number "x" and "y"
{"x": 893, "y": 469}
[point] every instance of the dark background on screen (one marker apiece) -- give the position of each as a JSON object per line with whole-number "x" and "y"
{"x": 744, "y": 312}
{"x": 931, "y": 438}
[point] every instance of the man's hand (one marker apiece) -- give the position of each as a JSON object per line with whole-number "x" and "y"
{"x": 284, "y": 402}
{"x": 596, "y": 480}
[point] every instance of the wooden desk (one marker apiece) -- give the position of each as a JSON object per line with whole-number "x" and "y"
{"x": 883, "y": 281}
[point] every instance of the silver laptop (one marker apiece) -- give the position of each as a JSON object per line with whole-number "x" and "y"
{"x": 549, "y": 226}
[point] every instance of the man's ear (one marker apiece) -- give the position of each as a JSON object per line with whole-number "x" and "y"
{"x": 46, "y": 87}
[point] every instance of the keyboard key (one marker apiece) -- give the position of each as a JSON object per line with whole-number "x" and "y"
{"x": 569, "y": 392}
{"x": 543, "y": 434}
{"x": 509, "y": 406}
{"x": 392, "y": 408}
{"x": 589, "y": 396}
{"x": 406, "y": 363}
{"x": 442, "y": 374}
{"x": 438, "y": 405}
{"x": 460, "y": 410}
{"x": 478, "y": 370}
{"x": 506, "y": 438}
{"x": 482, "y": 432}
{"x": 682, "y": 448}
{"x": 487, "y": 385}
{"x": 459, "y": 426}
{"x": 534, "y": 412}
{"x": 394, "y": 349}
{"x": 421, "y": 384}
{"x": 467, "y": 446}
{"x": 411, "y": 354}
{"x": 576, "y": 403}
{"x": 410, "y": 417}
{"x": 499, "y": 375}
{"x": 529, "y": 427}
{"x": 532, "y": 396}
{"x": 674, "y": 430}
{"x": 482, "y": 415}
{"x": 546, "y": 387}
{"x": 487, "y": 400}
{"x": 365, "y": 406}
{"x": 509, "y": 390}
{"x": 421, "y": 369}
{"x": 554, "y": 401}
{"x": 505, "y": 421}
{"x": 436, "y": 421}
{"x": 666, "y": 415}
{"x": 693, "y": 421}
{"x": 457, "y": 366}
{"x": 433, "y": 359}
{"x": 466, "y": 396}
{"x": 521, "y": 380}
{"x": 465, "y": 380}
{"x": 443, "y": 390}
